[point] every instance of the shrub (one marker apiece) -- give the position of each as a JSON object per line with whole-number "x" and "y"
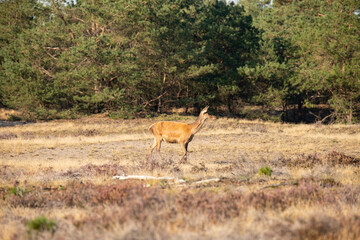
{"x": 97, "y": 170}
{"x": 337, "y": 158}
{"x": 265, "y": 171}
{"x": 17, "y": 191}
{"x": 332, "y": 159}
{"x": 41, "y": 224}
{"x": 305, "y": 161}
{"x": 14, "y": 118}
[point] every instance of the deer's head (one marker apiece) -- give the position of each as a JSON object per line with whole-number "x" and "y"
{"x": 204, "y": 114}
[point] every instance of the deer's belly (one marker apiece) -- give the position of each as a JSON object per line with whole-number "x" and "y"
{"x": 170, "y": 139}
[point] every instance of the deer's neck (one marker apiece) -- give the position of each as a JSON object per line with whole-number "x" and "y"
{"x": 197, "y": 125}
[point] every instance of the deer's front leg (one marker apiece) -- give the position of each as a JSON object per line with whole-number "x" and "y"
{"x": 184, "y": 149}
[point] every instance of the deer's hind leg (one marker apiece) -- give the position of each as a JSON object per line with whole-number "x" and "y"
{"x": 151, "y": 149}
{"x": 157, "y": 144}
{"x": 158, "y": 141}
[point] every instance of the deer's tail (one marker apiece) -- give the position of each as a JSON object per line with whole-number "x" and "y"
{"x": 150, "y": 129}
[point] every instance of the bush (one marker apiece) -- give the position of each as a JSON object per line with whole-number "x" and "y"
{"x": 14, "y": 118}
{"x": 122, "y": 114}
{"x": 17, "y": 191}
{"x": 331, "y": 158}
{"x": 41, "y": 224}
{"x": 265, "y": 171}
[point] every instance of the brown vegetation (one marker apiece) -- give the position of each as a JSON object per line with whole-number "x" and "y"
{"x": 56, "y": 182}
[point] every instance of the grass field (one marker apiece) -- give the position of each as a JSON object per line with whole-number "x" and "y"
{"x": 265, "y": 181}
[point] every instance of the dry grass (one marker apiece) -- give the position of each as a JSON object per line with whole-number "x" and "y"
{"x": 63, "y": 170}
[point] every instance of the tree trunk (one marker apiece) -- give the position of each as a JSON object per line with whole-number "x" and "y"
{"x": 350, "y": 116}
{"x": 285, "y": 112}
{"x": 161, "y": 93}
{"x": 229, "y": 103}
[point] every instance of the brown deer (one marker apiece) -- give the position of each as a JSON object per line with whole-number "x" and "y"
{"x": 177, "y": 132}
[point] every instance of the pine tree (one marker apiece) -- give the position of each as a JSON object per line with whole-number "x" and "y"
{"x": 309, "y": 55}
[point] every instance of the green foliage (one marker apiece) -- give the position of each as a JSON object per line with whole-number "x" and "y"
{"x": 123, "y": 113}
{"x": 17, "y": 191}
{"x": 13, "y": 118}
{"x": 40, "y": 224}
{"x": 173, "y": 117}
{"x": 84, "y": 57}
{"x": 265, "y": 171}
{"x": 312, "y": 50}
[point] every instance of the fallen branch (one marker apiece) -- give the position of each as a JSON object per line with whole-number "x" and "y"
{"x": 139, "y": 177}
{"x": 177, "y": 181}
{"x": 207, "y": 181}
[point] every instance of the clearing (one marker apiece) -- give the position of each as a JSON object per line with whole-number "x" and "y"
{"x": 62, "y": 171}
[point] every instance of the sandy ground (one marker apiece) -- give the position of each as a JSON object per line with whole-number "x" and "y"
{"x": 219, "y": 146}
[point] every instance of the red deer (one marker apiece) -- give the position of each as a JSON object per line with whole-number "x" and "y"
{"x": 177, "y": 132}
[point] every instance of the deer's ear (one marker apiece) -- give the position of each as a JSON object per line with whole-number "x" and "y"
{"x": 205, "y": 109}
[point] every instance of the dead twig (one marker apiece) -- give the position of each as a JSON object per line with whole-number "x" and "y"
{"x": 152, "y": 100}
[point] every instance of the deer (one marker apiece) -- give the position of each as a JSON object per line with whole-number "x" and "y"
{"x": 177, "y": 132}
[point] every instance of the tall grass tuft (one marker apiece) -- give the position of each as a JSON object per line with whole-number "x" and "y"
{"x": 41, "y": 224}
{"x": 265, "y": 171}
